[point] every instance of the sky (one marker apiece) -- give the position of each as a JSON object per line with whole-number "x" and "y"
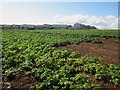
{"x": 103, "y": 15}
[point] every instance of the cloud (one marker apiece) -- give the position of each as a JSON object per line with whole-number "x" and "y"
{"x": 17, "y": 15}
{"x": 106, "y": 22}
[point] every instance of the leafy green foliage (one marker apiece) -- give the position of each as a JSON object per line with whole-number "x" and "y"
{"x": 10, "y": 73}
{"x": 114, "y": 73}
{"x": 35, "y": 52}
{"x": 74, "y": 55}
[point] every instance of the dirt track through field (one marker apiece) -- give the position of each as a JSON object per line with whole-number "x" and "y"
{"x": 108, "y": 51}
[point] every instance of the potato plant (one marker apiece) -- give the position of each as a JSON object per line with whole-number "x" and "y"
{"x": 35, "y": 53}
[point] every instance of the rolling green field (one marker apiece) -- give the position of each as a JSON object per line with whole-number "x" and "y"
{"x": 35, "y": 53}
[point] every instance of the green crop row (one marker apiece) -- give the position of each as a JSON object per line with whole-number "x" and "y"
{"x": 34, "y": 52}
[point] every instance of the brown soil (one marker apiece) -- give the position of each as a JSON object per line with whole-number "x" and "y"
{"x": 107, "y": 51}
{"x": 103, "y": 84}
{"x": 21, "y": 81}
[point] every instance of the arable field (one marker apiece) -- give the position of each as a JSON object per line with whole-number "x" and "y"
{"x": 60, "y": 59}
